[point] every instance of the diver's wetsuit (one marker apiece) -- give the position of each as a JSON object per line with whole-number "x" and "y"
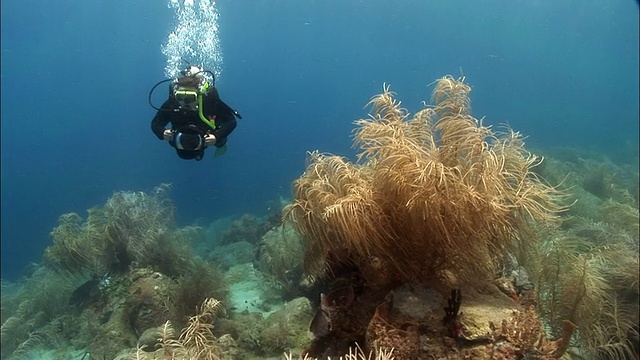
{"x": 180, "y": 120}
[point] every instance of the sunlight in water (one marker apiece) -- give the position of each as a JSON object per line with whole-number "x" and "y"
{"x": 194, "y": 38}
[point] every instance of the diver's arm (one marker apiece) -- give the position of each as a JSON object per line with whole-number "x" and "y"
{"x": 160, "y": 121}
{"x": 224, "y": 117}
{"x": 225, "y": 123}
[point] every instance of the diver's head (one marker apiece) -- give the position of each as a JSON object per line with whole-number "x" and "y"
{"x": 191, "y": 70}
{"x": 187, "y": 89}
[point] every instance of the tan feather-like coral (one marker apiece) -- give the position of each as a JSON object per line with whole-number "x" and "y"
{"x": 432, "y": 193}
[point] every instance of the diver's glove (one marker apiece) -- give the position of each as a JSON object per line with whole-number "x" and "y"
{"x": 210, "y": 139}
{"x": 168, "y": 134}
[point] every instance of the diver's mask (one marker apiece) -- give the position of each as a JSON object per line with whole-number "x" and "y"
{"x": 187, "y": 98}
{"x": 188, "y": 91}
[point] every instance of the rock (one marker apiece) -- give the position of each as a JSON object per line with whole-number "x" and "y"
{"x": 146, "y": 303}
{"x": 287, "y": 327}
{"x": 150, "y": 339}
{"x": 382, "y": 335}
{"x": 483, "y": 311}
{"x": 228, "y": 347}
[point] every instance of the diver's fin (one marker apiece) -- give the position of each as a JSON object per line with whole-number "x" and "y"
{"x": 220, "y": 151}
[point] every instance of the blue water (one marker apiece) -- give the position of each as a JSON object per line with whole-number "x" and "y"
{"x": 76, "y": 74}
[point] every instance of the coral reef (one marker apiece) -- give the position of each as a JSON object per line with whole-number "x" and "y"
{"x": 436, "y": 199}
{"x": 409, "y": 323}
{"x": 35, "y": 313}
{"x": 110, "y": 278}
{"x": 442, "y": 241}
{"x": 132, "y": 228}
{"x": 201, "y": 280}
{"x": 587, "y": 270}
{"x": 590, "y": 179}
{"x": 245, "y": 328}
{"x": 403, "y": 339}
{"x": 146, "y": 305}
{"x": 355, "y": 353}
{"x": 280, "y": 257}
{"x": 226, "y": 256}
{"x": 249, "y": 228}
{"x": 428, "y": 186}
{"x": 589, "y": 277}
{"x": 285, "y": 329}
{"x": 527, "y": 339}
{"x": 196, "y": 341}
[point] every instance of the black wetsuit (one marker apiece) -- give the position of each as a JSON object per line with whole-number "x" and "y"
{"x": 187, "y": 120}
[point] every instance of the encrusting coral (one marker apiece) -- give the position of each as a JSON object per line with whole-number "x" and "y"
{"x": 527, "y": 339}
{"x": 434, "y": 196}
{"x": 382, "y": 335}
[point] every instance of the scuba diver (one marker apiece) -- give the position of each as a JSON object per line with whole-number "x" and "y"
{"x": 198, "y": 117}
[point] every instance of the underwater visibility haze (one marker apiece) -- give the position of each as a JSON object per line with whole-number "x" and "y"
{"x": 485, "y": 153}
